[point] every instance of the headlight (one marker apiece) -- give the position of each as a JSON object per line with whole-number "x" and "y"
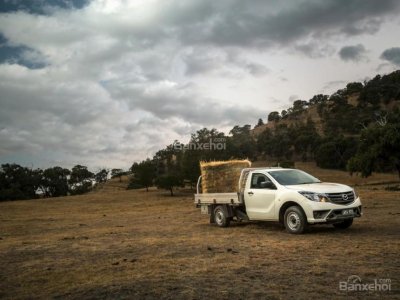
{"x": 355, "y": 194}
{"x": 317, "y": 197}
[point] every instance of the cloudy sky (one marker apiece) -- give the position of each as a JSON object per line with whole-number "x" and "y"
{"x": 105, "y": 83}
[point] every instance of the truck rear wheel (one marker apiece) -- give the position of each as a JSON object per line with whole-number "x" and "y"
{"x": 295, "y": 220}
{"x": 344, "y": 224}
{"x": 220, "y": 217}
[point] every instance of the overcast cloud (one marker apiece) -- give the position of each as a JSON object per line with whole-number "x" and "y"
{"x": 105, "y": 83}
{"x": 392, "y": 55}
{"x": 353, "y": 53}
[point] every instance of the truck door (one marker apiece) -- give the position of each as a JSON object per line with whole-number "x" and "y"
{"x": 259, "y": 197}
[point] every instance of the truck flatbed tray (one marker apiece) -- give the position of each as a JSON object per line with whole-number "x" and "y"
{"x": 217, "y": 198}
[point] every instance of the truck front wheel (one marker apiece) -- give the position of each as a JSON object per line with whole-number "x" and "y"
{"x": 220, "y": 217}
{"x": 295, "y": 220}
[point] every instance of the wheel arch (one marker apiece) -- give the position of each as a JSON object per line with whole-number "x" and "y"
{"x": 285, "y": 206}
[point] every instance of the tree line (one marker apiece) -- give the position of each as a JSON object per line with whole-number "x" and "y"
{"x": 18, "y": 182}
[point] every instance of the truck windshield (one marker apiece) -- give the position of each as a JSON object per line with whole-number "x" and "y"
{"x": 292, "y": 177}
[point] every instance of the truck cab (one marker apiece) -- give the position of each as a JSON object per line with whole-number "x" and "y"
{"x": 290, "y": 196}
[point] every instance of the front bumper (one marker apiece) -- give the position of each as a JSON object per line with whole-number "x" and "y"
{"x": 331, "y": 213}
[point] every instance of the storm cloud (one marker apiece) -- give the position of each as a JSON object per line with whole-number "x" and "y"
{"x": 110, "y": 82}
{"x": 392, "y": 55}
{"x": 352, "y": 53}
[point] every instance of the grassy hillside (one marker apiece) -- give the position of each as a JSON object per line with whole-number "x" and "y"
{"x": 346, "y": 111}
{"x": 356, "y": 128}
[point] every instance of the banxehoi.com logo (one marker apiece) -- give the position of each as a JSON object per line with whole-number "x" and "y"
{"x": 212, "y": 144}
{"x": 355, "y": 284}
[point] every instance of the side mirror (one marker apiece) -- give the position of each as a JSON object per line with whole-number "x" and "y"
{"x": 267, "y": 185}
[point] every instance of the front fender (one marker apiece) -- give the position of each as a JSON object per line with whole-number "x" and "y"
{"x": 285, "y": 200}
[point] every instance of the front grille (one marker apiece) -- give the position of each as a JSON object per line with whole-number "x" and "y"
{"x": 341, "y": 198}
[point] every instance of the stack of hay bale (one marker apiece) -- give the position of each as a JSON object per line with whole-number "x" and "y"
{"x": 221, "y": 176}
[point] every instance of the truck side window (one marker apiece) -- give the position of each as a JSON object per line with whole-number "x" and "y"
{"x": 257, "y": 179}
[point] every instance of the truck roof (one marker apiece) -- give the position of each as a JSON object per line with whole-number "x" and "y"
{"x": 266, "y": 169}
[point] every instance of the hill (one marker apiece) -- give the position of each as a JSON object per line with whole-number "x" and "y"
{"x": 347, "y": 111}
{"x": 356, "y": 128}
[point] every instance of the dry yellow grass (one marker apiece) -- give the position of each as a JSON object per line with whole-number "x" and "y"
{"x": 121, "y": 244}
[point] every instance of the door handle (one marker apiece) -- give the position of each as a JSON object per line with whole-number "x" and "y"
{"x": 250, "y": 193}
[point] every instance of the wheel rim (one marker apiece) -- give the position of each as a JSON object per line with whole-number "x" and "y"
{"x": 219, "y": 217}
{"x": 293, "y": 221}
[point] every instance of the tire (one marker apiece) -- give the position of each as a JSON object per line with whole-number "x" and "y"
{"x": 344, "y": 224}
{"x": 295, "y": 220}
{"x": 220, "y": 217}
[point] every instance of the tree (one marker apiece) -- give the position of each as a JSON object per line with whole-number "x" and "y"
{"x": 55, "y": 182}
{"x": 206, "y": 144}
{"x": 143, "y": 174}
{"x": 117, "y": 173}
{"x": 169, "y": 166}
{"x": 277, "y": 143}
{"x": 259, "y": 123}
{"x": 354, "y": 87}
{"x": 378, "y": 148}
{"x": 101, "y": 176}
{"x": 381, "y": 88}
{"x": 264, "y": 141}
{"x": 274, "y": 116}
{"x": 205, "y": 136}
{"x": 305, "y": 139}
{"x": 17, "y": 182}
{"x": 318, "y": 99}
{"x": 371, "y": 92}
{"x": 299, "y": 106}
{"x": 169, "y": 181}
{"x": 241, "y": 143}
{"x": 334, "y": 152}
{"x": 168, "y": 160}
{"x": 338, "y": 99}
{"x": 80, "y": 180}
{"x": 191, "y": 166}
{"x": 281, "y": 143}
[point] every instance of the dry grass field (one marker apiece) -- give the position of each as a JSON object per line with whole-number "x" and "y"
{"x": 118, "y": 244}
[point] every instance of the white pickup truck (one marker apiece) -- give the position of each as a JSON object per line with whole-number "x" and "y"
{"x": 289, "y": 196}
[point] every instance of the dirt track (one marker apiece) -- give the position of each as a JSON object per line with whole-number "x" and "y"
{"x": 132, "y": 244}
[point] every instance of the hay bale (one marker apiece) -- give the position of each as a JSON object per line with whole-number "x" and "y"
{"x": 221, "y": 176}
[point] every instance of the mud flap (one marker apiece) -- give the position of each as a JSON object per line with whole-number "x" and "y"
{"x": 212, "y": 221}
{"x": 241, "y": 215}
